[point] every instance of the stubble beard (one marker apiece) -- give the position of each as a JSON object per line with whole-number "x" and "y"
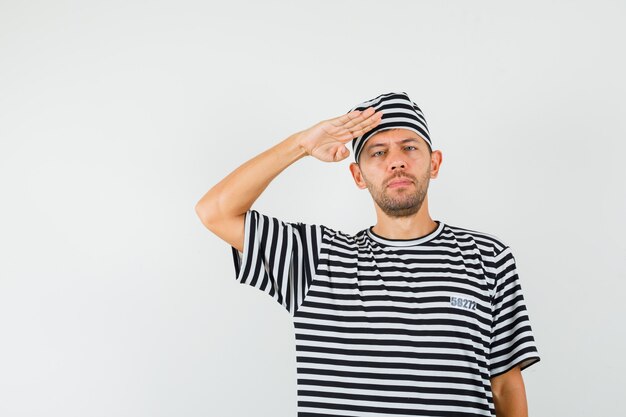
{"x": 400, "y": 201}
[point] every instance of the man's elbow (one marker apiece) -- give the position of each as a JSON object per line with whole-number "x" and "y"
{"x": 204, "y": 210}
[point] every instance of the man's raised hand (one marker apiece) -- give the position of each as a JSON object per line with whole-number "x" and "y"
{"x": 326, "y": 140}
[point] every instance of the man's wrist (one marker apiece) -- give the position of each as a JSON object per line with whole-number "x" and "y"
{"x": 295, "y": 148}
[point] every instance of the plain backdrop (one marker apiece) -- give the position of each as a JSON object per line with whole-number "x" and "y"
{"x": 117, "y": 116}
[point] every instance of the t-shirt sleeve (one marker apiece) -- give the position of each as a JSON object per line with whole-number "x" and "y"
{"x": 512, "y": 342}
{"x": 279, "y": 258}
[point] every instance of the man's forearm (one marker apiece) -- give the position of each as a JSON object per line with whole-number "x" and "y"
{"x": 235, "y": 194}
{"x": 511, "y": 400}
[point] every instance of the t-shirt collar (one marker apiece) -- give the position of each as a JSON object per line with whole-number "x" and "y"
{"x": 405, "y": 242}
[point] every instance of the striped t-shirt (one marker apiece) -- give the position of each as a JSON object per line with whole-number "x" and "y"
{"x": 392, "y": 327}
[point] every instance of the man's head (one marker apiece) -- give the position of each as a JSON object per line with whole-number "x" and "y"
{"x": 399, "y": 147}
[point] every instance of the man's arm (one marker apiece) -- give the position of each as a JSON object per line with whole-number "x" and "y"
{"x": 509, "y": 394}
{"x": 222, "y": 209}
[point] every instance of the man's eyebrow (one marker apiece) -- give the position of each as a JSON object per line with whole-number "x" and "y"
{"x": 375, "y": 145}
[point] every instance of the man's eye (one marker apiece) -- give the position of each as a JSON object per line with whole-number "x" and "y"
{"x": 408, "y": 146}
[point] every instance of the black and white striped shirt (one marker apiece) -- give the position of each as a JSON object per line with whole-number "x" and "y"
{"x": 392, "y": 327}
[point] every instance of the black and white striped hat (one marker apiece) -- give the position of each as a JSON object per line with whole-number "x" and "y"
{"x": 398, "y": 112}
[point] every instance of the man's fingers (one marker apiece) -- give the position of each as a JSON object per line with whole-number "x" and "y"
{"x": 353, "y": 118}
{"x": 346, "y": 134}
{"x": 354, "y": 124}
{"x": 361, "y": 131}
{"x": 365, "y": 125}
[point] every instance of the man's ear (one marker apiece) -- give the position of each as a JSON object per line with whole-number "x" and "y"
{"x": 436, "y": 157}
{"x": 355, "y": 170}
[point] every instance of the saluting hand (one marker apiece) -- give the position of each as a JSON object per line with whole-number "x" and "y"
{"x": 326, "y": 139}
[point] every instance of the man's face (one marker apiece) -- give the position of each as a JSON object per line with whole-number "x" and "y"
{"x": 392, "y": 155}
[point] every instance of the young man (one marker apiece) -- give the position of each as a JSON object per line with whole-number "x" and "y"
{"x": 411, "y": 316}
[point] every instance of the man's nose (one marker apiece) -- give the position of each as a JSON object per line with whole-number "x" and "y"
{"x": 397, "y": 159}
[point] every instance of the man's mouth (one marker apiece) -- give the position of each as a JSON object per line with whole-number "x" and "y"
{"x": 399, "y": 183}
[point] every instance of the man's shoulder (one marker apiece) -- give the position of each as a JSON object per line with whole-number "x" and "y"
{"x": 307, "y": 225}
{"x": 486, "y": 240}
{"x": 341, "y": 235}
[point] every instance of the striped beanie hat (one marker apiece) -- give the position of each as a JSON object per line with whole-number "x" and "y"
{"x": 398, "y": 112}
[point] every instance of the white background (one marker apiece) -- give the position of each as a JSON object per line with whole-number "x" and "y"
{"x": 117, "y": 116}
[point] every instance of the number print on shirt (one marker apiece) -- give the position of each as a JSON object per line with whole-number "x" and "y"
{"x": 463, "y": 303}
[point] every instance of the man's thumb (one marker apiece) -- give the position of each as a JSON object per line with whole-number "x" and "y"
{"x": 342, "y": 153}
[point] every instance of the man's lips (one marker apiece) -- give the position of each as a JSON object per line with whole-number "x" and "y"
{"x": 399, "y": 182}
